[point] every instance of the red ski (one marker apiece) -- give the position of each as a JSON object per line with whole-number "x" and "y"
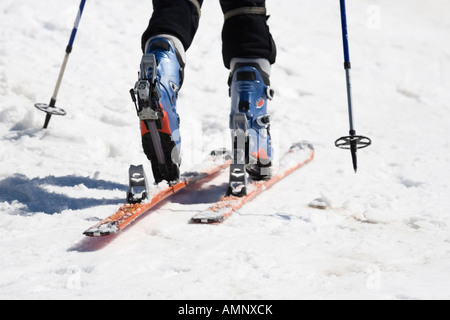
{"x": 298, "y": 155}
{"x": 128, "y": 212}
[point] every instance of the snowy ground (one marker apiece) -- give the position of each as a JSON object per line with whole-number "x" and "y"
{"x": 387, "y": 235}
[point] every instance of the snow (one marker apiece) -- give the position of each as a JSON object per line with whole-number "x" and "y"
{"x": 385, "y": 234}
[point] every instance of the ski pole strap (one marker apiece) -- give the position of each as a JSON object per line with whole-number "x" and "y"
{"x": 245, "y": 10}
{"x": 75, "y": 27}
{"x": 197, "y": 5}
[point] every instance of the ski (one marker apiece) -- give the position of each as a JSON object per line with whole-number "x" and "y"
{"x": 129, "y": 212}
{"x": 297, "y": 156}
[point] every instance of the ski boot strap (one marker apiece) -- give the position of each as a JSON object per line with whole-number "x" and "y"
{"x": 245, "y": 10}
{"x": 197, "y": 6}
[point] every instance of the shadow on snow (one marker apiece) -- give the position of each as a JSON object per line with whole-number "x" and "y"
{"x": 31, "y": 192}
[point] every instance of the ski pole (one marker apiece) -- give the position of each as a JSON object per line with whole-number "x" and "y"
{"x": 352, "y": 142}
{"x": 50, "y": 109}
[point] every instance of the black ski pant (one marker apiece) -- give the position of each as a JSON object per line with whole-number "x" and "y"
{"x": 245, "y": 32}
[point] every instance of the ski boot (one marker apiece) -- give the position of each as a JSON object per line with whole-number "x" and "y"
{"x": 249, "y": 123}
{"x": 155, "y": 96}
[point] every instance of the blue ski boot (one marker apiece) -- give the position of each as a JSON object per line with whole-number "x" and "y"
{"x": 249, "y": 121}
{"x": 160, "y": 80}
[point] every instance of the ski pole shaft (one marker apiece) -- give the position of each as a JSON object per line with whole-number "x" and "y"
{"x": 347, "y": 65}
{"x": 351, "y": 142}
{"x": 55, "y": 93}
{"x": 64, "y": 64}
{"x": 345, "y": 32}
{"x": 68, "y": 49}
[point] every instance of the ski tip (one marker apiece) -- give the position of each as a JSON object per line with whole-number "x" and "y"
{"x": 95, "y": 234}
{"x": 102, "y": 230}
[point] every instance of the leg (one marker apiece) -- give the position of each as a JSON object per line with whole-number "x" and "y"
{"x": 249, "y": 51}
{"x": 179, "y": 18}
{"x": 245, "y": 31}
{"x": 170, "y": 32}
